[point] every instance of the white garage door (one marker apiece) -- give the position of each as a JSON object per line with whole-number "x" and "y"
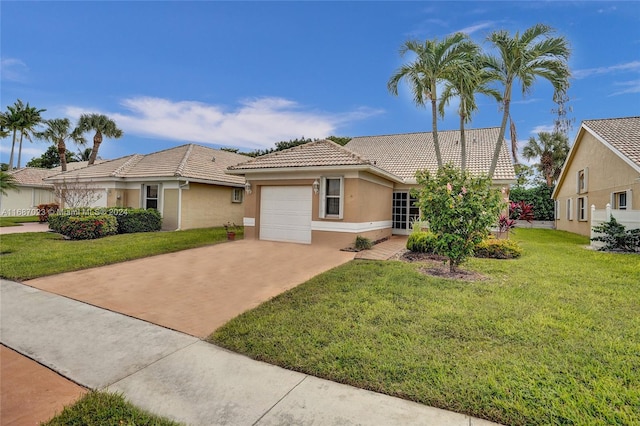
{"x": 285, "y": 214}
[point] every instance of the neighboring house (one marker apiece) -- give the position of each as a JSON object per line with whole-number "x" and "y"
{"x": 603, "y": 167}
{"x": 321, "y": 192}
{"x": 32, "y": 190}
{"x": 187, "y": 185}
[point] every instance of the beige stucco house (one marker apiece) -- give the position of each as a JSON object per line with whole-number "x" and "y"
{"x": 323, "y": 193}
{"x": 603, "y": 167}
{"x": 187, "y": 184}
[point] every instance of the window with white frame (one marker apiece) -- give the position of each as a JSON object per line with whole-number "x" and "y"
{"x": 556, "y": 207}
{"x": 332, "y": 197}
{"x": 569, "y": 213}
{"x": 151, "y": 196}
{"x": 582, "y": 208}
{"x": 620, "y": 200}
{"x": 237, "y": 195}
{"x": 582, "y": 181}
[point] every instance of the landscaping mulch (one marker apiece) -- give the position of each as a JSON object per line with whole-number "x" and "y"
{"x": 437, "y": 266}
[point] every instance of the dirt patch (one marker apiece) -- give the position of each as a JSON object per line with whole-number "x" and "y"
{"x": 437, "y": 266}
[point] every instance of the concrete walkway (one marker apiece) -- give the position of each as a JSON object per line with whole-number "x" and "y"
{"x": 181, "y": 377}
{"x": 384, "y": 250}
{"x": 25, "y": 227}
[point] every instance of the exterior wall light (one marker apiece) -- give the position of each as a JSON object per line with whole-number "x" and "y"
{"x": 316, "y": 186}
{"x": 247, "y": 187}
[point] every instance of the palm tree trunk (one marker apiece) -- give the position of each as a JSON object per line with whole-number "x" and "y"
{"x": 463, "y": 145}
{"x": 503, "y": 127}
{"x": 97, "y": 140}
{"x": 20, "y": 149}
{"x": 62, "y": 152}
{"x": 434, "y": 124}
{"x": 13, "y": 147}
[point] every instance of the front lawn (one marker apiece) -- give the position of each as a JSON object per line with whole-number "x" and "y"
{"x": 550, "y": 338}
{"x": 17, "y": 220}
{"x": 31, "y": 255}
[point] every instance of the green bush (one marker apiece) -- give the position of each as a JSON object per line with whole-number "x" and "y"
{"x": 89, "y": 227}
{"x": 138, "y": 220}
{"x": 422, "y": 242}
{"x": 539, "y": 197}
{"x": 616, "y": 237}
{"x": 363, "y": 243}
{"x": 498, "y": 249}
{"x": 44, "y": 210}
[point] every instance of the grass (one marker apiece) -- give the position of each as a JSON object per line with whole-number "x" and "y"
{"x": 17, "y": 220}
{"x": 101, "y": 408}
{"x": 31, "y": 255}
{"x": 550, "y": 338}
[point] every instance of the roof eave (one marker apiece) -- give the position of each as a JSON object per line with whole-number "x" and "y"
{"x": 351, "y": 167}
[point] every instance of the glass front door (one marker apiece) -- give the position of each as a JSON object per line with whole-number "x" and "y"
{"x": 404, "y": 212}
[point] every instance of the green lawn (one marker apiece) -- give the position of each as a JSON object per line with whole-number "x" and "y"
{"x": 31, "y": 255}
{"x": 17, "y": 220}
{"x": 101, "y": 408}
{"x": 550, "y": 338}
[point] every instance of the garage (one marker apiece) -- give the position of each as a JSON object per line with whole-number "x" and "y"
{"x": 285, "y": 213}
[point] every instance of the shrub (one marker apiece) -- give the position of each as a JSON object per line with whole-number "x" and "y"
{"x": 505, "y": 224}
{"x": 363, "y": 243}
{"x": 539, "y": 197}
{"x": 422, "y": 242}
{"x": 498, "y": 249}
{"x": 521, "y": 211}
{"x": 89, "y": 227}
{"x": 617, "y": 238}
{"x": 138, "y": 220}
{"x": 44, "y": 210}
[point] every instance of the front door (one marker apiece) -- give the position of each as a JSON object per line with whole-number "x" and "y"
{"x": 404, "y": 212}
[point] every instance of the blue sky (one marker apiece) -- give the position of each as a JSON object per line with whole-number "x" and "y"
{"x": 249, "y": 74}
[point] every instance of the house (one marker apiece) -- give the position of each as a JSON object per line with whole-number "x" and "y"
{"x": 602, "y": 167}
{"x": 32, "y": 190}
{"x": 186, "y": 184}
{"x": 323, "y": 193}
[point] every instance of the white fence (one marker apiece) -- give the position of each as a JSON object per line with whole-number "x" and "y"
{"x": 629, "y": 218}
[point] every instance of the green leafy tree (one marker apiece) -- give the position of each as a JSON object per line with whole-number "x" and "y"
{"x": 471, "y": 79}
{"x": 7, "y": 182}
{"x": 59, "y": 131}
{"x": 526, "y": 57}
{"x": 435, "y": 61}
{"x": 551, "y": 150}
{"x": 460, "y": 210}
{"x": 340, "y": 140}
{"x": 51, "y": 158}
{"x": 103, "y": 126}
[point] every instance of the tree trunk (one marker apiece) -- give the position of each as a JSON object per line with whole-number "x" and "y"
{"x": 503, "y": 127}
{"x": 20, "y": 149}
{"x": 463, "y": 145}
{"x": 13, "y": 146}
{"x": 434, "y": 124}
{"x": 97, "y": 140}
{"x": 62, "y": 152}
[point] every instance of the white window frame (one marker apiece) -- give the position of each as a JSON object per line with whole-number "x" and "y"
{"x": 581, "y": 209}
{"x": 323, "y": 198}
{"x": 569, "y": 209}
{"x": 584, "y": 188}
{"x": 237, "y": 195}
{"x": 615, "y": 197}
{"x": 556, "y": 206}
{"x": 145, "y": 198}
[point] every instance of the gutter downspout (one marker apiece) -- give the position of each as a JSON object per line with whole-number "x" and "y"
{"x": 180, "y": 186}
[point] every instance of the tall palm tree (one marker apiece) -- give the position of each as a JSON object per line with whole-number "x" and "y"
{"x": 58, "y": 131}
{"x": 84, "y": 154}
{"x": 552, "y": 150}
{"x": 4, "y": 125}
{"x": 526, "y": 57}
{"x": 102, "y": 126}
{"x": 30, "y": 119}
{"x": 12, "y": 120}
{"x": 435, "y": 61}
{"x": 464, "y": 85}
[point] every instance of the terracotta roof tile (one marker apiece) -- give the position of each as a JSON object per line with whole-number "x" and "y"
{"x": 622, "y": 133}
{"x": 31, "y": 176}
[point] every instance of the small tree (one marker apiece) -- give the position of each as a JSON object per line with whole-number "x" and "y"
{"x": 616, "y": 237}
{"x": 460, "y": 210}
{"x": 75, "y": 194}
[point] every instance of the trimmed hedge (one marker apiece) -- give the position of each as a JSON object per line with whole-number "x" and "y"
{"x": 139, "y": 220}
{"x": 44, "y": 210}
{"x": 498, "y": 249}
{"x": 89, "y": 227}
{"x": 422, "y": 242}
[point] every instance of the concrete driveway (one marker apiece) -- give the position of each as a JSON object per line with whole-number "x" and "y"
{"x": 196, "y": 291}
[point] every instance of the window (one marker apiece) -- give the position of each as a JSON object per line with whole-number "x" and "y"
{"x": 582, "y": 181}
{"x": 237, "y": 195}
{"x": 569, "y": 215}
{"x": 620, "y": 200}
{"x": 151, "y": 197}
{"x": 331, "y": 205}
{"x": 582, "y": 208}
{"x": 556, "y": 207}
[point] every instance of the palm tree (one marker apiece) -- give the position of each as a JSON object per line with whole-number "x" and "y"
{"x": 552, "y": 150}
{"x": 526, "y": 57}
{"x": 4, "y": 125}
{"x": 464, "y": 85}
{"x": 84, "y": 155}
{"x": 58, "y": 131}
{"x": 435, "y": 61}
{"x": 7, "y": 181}
{"x": 30, "y": 119}
{"x": 102, "y": 126}
{"x": 12, "y": 120}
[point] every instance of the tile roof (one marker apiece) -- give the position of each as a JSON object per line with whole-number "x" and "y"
{"x": 187, "y": 161}
{"x": 404, "y": 154}
{"x": 31, "y": 176}
{"x": 622, "y": 133}
{"x": 317, "y": 153}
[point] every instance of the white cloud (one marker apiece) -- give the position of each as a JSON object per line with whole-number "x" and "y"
{"x": 628, "y": 87}
{"x": 548, "y": 128}
{"x": 254, "y": 123}
{"x": 477, "y": 27}
{"x": 12, "y": 69}
{"x": 629, "y": 66}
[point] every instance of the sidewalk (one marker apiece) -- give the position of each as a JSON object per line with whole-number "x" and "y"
{"x": 182, "y": 377}
{"x": 25, "y": 227}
